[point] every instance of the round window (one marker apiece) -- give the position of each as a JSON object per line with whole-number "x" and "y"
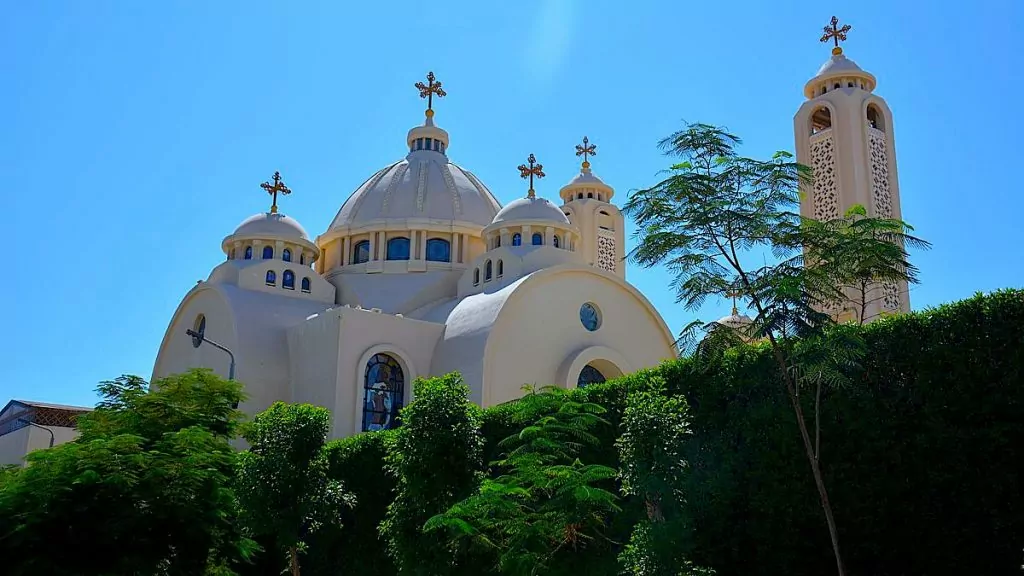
{"x": 200, "y": 331}
{"x": 590, "y": 316}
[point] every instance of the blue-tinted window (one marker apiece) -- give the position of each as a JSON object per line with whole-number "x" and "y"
{"x": 302, "y": 258}
{"x": 268, "y": 252}
{"x": 487, "y": 271}
{"x": 398, "y": 249}
{"x": 286, "y": 255}
{"x": 384, "y": 391}
{"x": 555, "y": 242}
{"x": 361, "y": 252}
{"x": 590, "y": 317}
{"x": 437, "y": 145}
{"x": 248, "y": 252}
{"x": 271, "y": 278}
{"x": 439, "y": 250}
{"x": 288, "y": 280}
{"x": 538, "y": 239}
{"x": 589, "y": 375}
{"x": 517, "y": 239}
{"x": 419, "y": 143}
{"x": 305, "y": 284}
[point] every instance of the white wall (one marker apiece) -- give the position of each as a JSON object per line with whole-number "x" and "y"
{"x": 16, "y": 445}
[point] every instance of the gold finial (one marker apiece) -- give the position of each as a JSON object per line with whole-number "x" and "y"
{"x": 734, "y": 294}
{"x": 835, "y": 33}
{"x": 274, "y": 189}
{"x": 428, "y": 90}
{"x": 530, "y": 171}
{"x": 587, "y": 149}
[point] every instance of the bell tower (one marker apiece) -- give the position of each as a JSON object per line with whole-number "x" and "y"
{"x": 845, "y": 133}
{"x": 586, "y": 201}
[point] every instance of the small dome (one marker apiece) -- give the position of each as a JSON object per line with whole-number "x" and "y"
{"x": 836, "y": 68}
{"x": 271, "y": 225}
{"x": 736, "y": 321}
{"x": 531, "y": 209}
{"x": 587, "y": 184}
{"x": 838, "y": 64}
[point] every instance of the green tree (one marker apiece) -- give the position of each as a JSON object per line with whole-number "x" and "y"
{"x": 145, "y": 489}
{"x": 546, "y": 501}
{"x": 436, "y": 457}
{"x": 715, "y": 211}
{"x": 283, "y": 486}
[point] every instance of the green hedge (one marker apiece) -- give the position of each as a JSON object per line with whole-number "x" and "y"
{"x": 921, "y": 456}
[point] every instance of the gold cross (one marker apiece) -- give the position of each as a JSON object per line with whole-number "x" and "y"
{"x": 734, "y": 294}
{"x": 587, "y": 149}
{"x": 428, "y": 90}
{"x": 274, "y": 189}
{"x": 530, "y": 171}
{"x": 835, "y": 33}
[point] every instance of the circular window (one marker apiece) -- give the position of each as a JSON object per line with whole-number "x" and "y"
{"x": 200, "y": 331}
{"x": 590, "y": 316}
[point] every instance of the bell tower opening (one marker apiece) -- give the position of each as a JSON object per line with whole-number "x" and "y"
{"x": 821, "y": 120}
{"x": 875, "y": 118}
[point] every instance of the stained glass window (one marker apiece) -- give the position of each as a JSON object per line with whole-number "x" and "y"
{"x": 517, "y": 239}
{"x": 268, "y": 252}
{"x": 590, "y": 317}
{"x": 439, "y": 250}
{"x": 361, "y": 252}
{"x": 305, "y": 284}
{"x": 286, "y": 255}
{"x": 589, "y": 375}
{"x": 398, "y": 248}
{"x": 538, "y": 239}
{"x": 384, "y": 392}
{"x": 288, "y": 280}
{"x": 271, "y": 278}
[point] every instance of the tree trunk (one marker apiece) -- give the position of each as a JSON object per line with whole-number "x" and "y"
{"x": 294, "y": 553}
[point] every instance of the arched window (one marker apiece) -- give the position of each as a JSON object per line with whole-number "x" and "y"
{"x": 821, "y": 120}
{"x": 302, "y": 258}
{"x": 501, "y": 268}
{"x": 305, "y": 284}
{"x": 361, "y": 252}
{"x": 248, "y": 252}
{"x": 268, "y": 252}
{"x": 590, "y": 194}
{"x": 579, "y": 196}
{"x": 538, "y": 239}
{"x": 288, "y": 280}
{"x": 286, "y": 255}
{"x": 271, "y": 278}
{"x": 589, "y": 375}
{"x": 398, "y": 248}
{"x": 487, "y": 271}
{"x": 439, "y": 250}
{"x": 556, "y": 242}
{"x": 517, "y": 239}
{"x": 875, "y": 118}
{"x": 384, "y": 392}
{"x": 600, "y": 197}
{"x": 476, "y": 276}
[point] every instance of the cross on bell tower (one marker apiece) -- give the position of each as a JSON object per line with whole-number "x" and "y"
{"x": 587, "y": 149}
{"x": 274, "y": 189}
{"x": 835, "y": 33}
{"x": 530, "y": 171}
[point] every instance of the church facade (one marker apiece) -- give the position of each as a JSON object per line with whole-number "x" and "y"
{"x": 421, "y": 273}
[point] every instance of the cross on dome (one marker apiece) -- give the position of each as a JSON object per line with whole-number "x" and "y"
{"x": 274, "y": 189}
{"x": 587, "y": 149}
{"x": 835, "y": 33}
{"x": 428, "y": 90}
{"x": 530, "y": 171}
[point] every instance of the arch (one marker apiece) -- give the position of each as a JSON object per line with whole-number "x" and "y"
{"x": 361, "y": 252}
{"x": 875, "y": 117}
{"x": 286, "y": 255}
{"x": 288, "y": 280}
{"x": 383, "y": 392}
{"x": 439, "y": 250}
{"x": 268, "y": 252}
{"x": 305, "y": 284}
{"x": 501, "y": 268}
{"x": 398, "y": 248}
{"x": 590, "y": 194}
{"x": 538, "y": 239}
{"x": 302, "y": 258}
{"x": 589, "y": 375}
{"x": 476, "y": 276}
{"x": 821, "y": 119}
{"x": 271, "y": 278}
{"x": 248, "y": 252}
{"x": 609, "y": 363}
{"x": 579, "y": 196}
{"x": 487, "y": 271}
{"x": 517, "y": 239}
{"x": 556, "y": 241}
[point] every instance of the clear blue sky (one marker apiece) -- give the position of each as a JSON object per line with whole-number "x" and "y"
{"x": 136, "y": 133}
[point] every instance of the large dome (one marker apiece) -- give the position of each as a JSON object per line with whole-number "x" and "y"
{"x": 531, "y": 209}
{"x": 271, "y": 225}
{"x": 423, "y": 185}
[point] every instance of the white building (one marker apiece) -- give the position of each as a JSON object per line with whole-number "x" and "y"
{"x": 26, "y": 426}
{"x": 421, "y": 273}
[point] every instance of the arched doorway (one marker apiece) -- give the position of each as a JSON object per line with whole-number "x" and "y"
{"x": 589, "y": 375}
{"x": 383, "y": 393}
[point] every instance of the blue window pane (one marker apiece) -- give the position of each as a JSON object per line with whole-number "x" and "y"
{"x": 398, "y": 249}
{"x": 268, "y": 252}
{"x": 487, "y": 271}
{"x": 427, "y": 143}
{"x": 248, "y": 252}
{"x": 590, "y": 317}
{"x": 288, "y": 280}
{"x": 384, "y": 392}
{"x": 538, "y": 239}
{"x": 419, "y": 143}
{"x": 437, "y": 144}
{"x": 305, "y": 284}
{"x": 271, "y": 278}
{"x": 439, "y": 250}
{"x": 589, "y": 375}
{"x": 517, "y": 239}
{"x": 361, "y": 252}
{"x": 555, "y": 242}
{"x": 286, "y": 255}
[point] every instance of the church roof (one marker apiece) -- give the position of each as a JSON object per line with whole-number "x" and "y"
{"x": 531, "y": 209}
{"x": 271, "y": 225}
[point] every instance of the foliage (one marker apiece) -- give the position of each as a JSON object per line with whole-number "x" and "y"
{"x": 283, "y": 487}
{"x": 547, "y": 502}
{"x": 144, "y": 490}
{"x": 436, "y": 458}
